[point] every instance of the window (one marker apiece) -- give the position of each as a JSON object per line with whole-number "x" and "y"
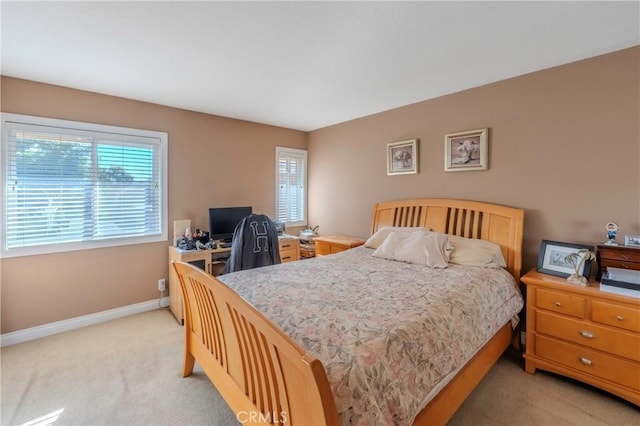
{"x": 69, "y": 185}
{"x": 291, "y": 186}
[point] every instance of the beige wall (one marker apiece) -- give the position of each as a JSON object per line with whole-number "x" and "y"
{"x": 213, "y": 161}
{"x": 564, "y": 145}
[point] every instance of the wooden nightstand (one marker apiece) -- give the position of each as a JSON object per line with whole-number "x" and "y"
{"x": 330, "y": 244}
{"x": 617, "y": 257}
{"x": 583, "y": 333}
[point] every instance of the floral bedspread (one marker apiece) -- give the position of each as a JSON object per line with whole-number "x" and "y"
{"x": 386, "y": 332}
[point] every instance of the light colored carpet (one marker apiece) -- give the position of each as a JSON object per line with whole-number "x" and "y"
{"x": 128, "y": 372}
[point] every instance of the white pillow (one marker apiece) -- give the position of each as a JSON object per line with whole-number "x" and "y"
{"x": 474, "y": 252}
{"x": 421, "y": 247}
{"x": 381, "y": 234}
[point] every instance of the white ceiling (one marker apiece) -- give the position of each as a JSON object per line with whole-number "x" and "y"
{"x": 302, "y": 65}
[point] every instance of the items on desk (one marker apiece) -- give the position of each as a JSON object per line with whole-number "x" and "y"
{"x": 187, "y": 242}
{"x": 280, "y": 227}
{"x": 201, "y": 236}
{"x": 196, "y": 241}
{"x": 308, "y": 234}
{"x": 199, "y": 240}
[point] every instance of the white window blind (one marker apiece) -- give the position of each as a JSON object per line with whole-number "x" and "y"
{"x": 68, "y": 185}
{"x": 291, "y": 186}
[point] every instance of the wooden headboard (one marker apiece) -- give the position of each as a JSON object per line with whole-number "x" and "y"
{"x": 472, "y": 219}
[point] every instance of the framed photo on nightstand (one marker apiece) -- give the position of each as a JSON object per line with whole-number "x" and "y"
{"x": 632, "y": 240}
{"x": 552, "y": 258}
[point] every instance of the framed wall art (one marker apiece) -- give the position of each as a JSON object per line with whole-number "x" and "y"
{"x": 632, "y": 240}
{"x": 402, "y": 157}
{"x": 552, "y": 258}
{"x": 466, "y": 151}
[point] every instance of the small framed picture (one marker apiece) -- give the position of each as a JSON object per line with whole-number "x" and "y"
{"x": 402, "y": 157}
{"x": 466, "y": 151}
{"x": 632, "y": 240}
{"x": 552, "y": 258}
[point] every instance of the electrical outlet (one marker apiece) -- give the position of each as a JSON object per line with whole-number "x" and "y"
{"x": 162, "y": 284}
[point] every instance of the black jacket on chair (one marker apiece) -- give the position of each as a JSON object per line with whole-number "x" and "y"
{"x": 255, "y": 244}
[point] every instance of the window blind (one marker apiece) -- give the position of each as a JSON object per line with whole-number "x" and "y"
{"x": 291, "y": 183}
{"x": 65, "y": 185}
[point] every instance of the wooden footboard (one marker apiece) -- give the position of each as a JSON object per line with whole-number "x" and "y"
{"x": 264, "y": 376}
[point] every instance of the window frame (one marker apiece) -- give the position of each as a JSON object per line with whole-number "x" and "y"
{"x": 77, "y": 126}
{"x": 293, "y": 152}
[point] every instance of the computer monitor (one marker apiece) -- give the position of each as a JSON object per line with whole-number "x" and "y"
{"x": 223, "y": 221}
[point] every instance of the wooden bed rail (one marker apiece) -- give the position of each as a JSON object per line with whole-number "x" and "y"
{"x": 257, "y": 369}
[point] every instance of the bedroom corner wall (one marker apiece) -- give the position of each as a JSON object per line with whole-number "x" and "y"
{"x": 213, "y": 162}
{"x": 564, "y": 145}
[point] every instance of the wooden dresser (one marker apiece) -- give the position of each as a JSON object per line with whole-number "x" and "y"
{"x": 330, "y": 244}
{"x": 617, "y": 257}
{"x": 583, "y": 333}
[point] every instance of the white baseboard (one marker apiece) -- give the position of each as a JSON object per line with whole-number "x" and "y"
{"x": 27, "y": 334}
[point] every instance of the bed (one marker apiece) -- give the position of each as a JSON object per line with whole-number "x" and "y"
{"x": 278, "y": 354}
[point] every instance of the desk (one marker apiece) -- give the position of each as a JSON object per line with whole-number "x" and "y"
{"x": 208, "y": 260}
{"x": 213, "y": 262}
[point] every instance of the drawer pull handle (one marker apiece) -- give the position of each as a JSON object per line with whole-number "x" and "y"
{"x": 625, "y": 257}
{"x": 585, "y": 361}
{"x": 558, "y": 304}
{"x": 620, "y": 318}
{"x": 587, "y": 334}
{"x": 624, "y": 266}
{"x": 286, "y": 246}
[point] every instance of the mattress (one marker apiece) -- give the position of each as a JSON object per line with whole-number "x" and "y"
{"x": 388, "y": 333}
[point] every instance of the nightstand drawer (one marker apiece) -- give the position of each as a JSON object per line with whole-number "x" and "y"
{"x": 337, "y": 249}
{"x": 618, "y": 370}
{"x": 623, "y": 264}
{"x": 624, "y": 254}
{"x": 322, "y": 248}
{"x": 594, "y": 336}
{"x": 615, "y": 315}
{"x": 560, "y": 302}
